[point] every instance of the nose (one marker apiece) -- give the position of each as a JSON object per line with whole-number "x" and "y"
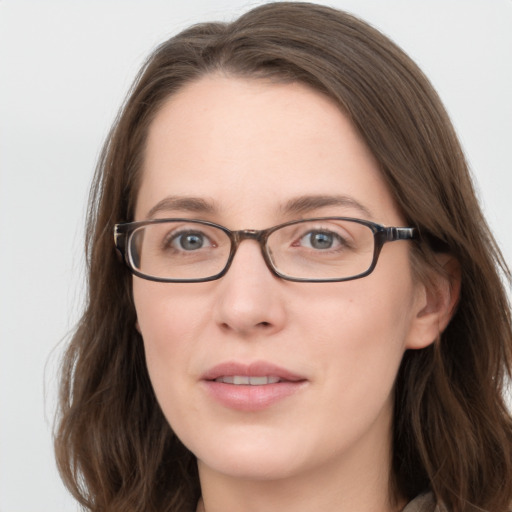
{"x": 250, "y": 299}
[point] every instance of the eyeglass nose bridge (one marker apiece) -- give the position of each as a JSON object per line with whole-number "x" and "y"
{"x": 247, "y": 234}
{"x": 260, "y": 236}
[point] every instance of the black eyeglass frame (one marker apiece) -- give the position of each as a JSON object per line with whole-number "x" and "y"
{"x": 381, "y": 234}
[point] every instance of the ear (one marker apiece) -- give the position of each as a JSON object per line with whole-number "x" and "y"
{"x": 437, "y": 300}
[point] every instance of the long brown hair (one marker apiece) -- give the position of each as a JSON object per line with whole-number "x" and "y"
{"x": 452, "y": 429}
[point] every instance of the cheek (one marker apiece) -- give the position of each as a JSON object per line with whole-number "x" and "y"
{"x": 359, "y": 313}
{"x": 360, "y": 330}
{"x": 167, "y": 312}
{"x": 167, "y": 322}
{"x": 359, "y": 343}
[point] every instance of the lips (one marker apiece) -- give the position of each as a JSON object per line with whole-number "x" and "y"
{"x": 251, "y": 387}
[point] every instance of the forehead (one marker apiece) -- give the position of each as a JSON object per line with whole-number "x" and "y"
{"x": 248, "y": 146}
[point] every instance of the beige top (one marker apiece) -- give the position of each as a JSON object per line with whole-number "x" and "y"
{"x": 423, "y": 503}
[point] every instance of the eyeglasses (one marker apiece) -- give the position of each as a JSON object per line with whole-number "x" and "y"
{"x": 322, "y": 249}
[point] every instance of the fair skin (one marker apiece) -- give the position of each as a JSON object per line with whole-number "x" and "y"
{"x": 247, "y": 148}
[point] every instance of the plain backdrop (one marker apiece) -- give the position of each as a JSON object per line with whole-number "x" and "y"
{"x": 64, "y": 70}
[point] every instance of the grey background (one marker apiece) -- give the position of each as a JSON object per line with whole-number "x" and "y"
{"x": 64, "y": 70}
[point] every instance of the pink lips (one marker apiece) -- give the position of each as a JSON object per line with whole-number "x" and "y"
{"x": 251, "y": 387}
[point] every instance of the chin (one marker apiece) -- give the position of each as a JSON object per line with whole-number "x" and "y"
{"x": 253, "y": 466}
{"x": 249, "y": 456}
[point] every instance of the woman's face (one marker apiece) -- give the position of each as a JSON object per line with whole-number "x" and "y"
{"x": 248, "y": 154}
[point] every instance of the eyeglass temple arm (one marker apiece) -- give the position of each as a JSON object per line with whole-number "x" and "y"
{"x": 401, "y": 234}
{"x": 120, "y": 242}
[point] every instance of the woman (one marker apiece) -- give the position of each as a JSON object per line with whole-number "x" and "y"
{"x": 340, "y": 365}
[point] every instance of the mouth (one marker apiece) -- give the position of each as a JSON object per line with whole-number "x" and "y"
{"x": 251, "y": 387}
{"x": 257, "y": 373}
{"x": 248, "y": 380}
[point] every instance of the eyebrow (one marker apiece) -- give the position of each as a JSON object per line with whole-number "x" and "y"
{"x": 295, "y": 206}
{"x": 188, "y": 204}
{"x": 307, "y": 203}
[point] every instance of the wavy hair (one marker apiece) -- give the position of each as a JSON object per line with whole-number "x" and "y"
{"x": 452, "y": 429}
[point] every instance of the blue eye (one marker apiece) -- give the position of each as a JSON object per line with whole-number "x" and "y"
{"x": 190, "y": 241}
{"x": 321, "y": 240}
